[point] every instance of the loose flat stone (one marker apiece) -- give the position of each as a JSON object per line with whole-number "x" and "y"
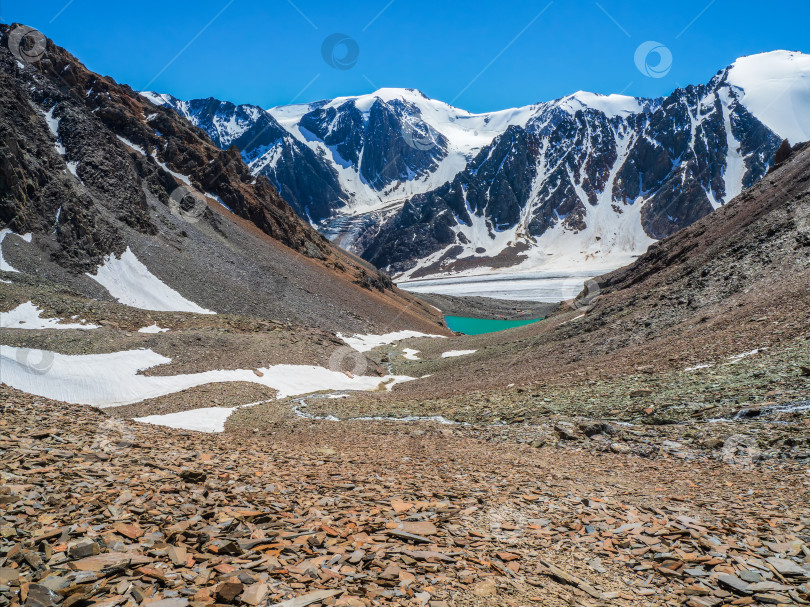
{"x": 308, "y": 599}
{"x": 42, "y": 596}
{"x": 107, "y": 560}
{"x": 255, "y": 594}
{"x": 773, "y": 599}
{"x": 787, "y": 567}
{"x": 733, "y": 583}
{"x": 411, "y": 537}
{"x": 767, "y": 587}
{"x": 418, "y": 528}
{"x": 427, "y": 555}
{"x": 750, "y": 576}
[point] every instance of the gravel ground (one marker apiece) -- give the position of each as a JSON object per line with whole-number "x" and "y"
{"x": 122, "y": 513}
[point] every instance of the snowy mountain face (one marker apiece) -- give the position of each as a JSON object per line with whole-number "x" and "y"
{"x": 421, "y": 188}
{"x": 303, "y": 179}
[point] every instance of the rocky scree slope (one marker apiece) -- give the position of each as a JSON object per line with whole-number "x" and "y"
{"x": 91, "y": 168}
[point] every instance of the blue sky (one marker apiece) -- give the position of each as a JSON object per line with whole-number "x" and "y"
{"x": 483, "y": 55}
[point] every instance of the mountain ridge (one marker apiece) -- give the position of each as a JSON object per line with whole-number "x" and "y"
{"x": 638, "y": 170}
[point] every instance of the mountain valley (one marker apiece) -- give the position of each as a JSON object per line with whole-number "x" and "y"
{"x": 206, "y": 402}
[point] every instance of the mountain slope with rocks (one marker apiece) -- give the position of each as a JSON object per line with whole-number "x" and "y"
{"x": 708, "y": 322}
{"x": 119, "y": 198}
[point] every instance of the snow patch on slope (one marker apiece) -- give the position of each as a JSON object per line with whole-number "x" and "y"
{"x": 364, "y": 343}
{"x": 29, "y": 316}
{"x": 152, "y": 329}
{"x": 132, "y": 284}
{"x": 455, "y": 353}
{"x": 53, "y": 126}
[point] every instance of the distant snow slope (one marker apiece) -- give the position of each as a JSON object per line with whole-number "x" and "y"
{"x": 364, "y": 343}
{"x": 132, "y": 284}
{"x": 776, "y": 89}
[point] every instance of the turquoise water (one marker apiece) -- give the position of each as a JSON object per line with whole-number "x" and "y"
{"x": 477, "y": 326}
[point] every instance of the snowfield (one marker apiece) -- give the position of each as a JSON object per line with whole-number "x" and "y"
{"x": 776, "y": 89}
{"x": 108, "y": 380}
{"x": 152, "y": 329}
{"x": 205, "y": 419}
{"x": 132, "y": 284}
{"x": 530, "y": 286}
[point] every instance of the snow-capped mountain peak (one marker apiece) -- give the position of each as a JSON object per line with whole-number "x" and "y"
{"x": 776, "y": 89}
{"x": 610, "y": 105}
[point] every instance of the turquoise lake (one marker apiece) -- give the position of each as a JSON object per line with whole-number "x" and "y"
{"x": 477, "y": 326}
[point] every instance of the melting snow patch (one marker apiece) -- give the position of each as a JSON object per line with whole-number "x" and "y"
{"x": 163, "y": 166}
{"x": 53, "y": 125}
{"x": 410, "y": 353}
{"x": 364, "y": 343}
{"x": 697, "y": 367}
{"x": 738, "y": 357}
{"x": 152, "y": 329}
{"x": 135, "y": 147}
{"x": 28, "y": 316}
{"x": 132, "y": 284}
{"x": 106, "y": 380}
{"x": 4, "y": 265}
{"x": 454, "y": 353}
{"x": 206, "y": 419}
